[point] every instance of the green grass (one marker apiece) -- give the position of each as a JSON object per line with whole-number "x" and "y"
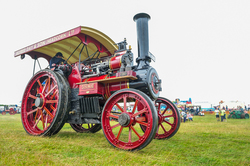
{"x": 201, "y": 142}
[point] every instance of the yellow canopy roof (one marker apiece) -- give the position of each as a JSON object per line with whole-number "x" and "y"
{"x": 89, "y": 40}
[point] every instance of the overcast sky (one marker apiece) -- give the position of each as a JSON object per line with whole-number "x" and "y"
{"x": 202, "y": 48}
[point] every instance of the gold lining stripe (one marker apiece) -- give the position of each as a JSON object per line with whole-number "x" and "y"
{"x": 87, "y": 80}
{"x": 109, "y": 94}
{"x": 120, "y": 61}
{"x": 110, "y": 66}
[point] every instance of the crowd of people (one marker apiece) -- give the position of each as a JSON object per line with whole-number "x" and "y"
{"x": 186, "y": 116}
{"x": 220, "y": 113}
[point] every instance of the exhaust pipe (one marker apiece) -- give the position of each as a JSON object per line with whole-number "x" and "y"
{"x": 144, "y": 56}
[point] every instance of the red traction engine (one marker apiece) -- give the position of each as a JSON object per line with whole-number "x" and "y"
{"x": 98, "y": 87}
{"x": 6, "y": 109}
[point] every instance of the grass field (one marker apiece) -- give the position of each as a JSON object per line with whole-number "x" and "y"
{"x": 201, "y": 142}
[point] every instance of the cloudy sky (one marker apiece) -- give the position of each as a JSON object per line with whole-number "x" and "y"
{"x": 202, "y": 47}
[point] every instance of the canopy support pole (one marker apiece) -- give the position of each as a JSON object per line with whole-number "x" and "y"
{"x": 34, "y": 68}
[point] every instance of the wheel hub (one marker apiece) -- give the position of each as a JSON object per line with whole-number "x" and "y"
{"x": 160, "y": 118}
{"x": 155, "y": 83}
{"x": 39, "y": 102}
{"x": 124, "y": 119}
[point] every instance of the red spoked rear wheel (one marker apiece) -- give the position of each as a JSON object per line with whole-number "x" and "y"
{"x": 44, "y": 103}
{"x": 169, "y": 118}
{"x": 85, "y": 128}
{"x": 121, "y": 119}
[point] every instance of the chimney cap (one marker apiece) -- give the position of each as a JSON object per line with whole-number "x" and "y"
{"x": 141, "y": 15}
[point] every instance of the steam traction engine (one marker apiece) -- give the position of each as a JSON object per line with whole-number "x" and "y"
{"x": 98, "y": 87}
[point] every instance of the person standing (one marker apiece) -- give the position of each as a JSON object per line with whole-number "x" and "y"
{"x": 216, "y": 111}
{"x": 184, "y": 117}
{"x": 222, "y": 114}
{"x": 190, "y": 117}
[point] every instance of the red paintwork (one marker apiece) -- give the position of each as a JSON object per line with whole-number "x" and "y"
{"x": 87, "y": 39}
{"x": 102, "y": 77}
{"x": 75, "y": 76}
{"x": 31, "y": 116}
{"x": 112, "y": 87}
{"x": 169, "y": 127}
{"x": 114, "y": 131}
{"x": 152, "y": 83}
{"x": 91, "y": 88}
{"x": 115, "y": 62}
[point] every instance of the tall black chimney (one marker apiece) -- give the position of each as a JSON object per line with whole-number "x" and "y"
{"x": 144, "y": 58}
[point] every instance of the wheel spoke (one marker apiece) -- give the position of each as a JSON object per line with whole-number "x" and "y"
{"x": 129, "y": 134}
{"x": 42, "y": 119}
{"x": 54, "y": 94}
{"x": 51, "y": 101}
{"x": 165, "y": 110}
{"x": 40, "y": 85}
{"x": 51, "y": 90}
{"x": 28, "y": 113}
{"x": 113, "y": 116}
{"x": 140, "y": 112}
{"x": 49, "y": 84}
{"x": 142, "y": 123}
{"x": 44, "y": 87}
{"x": 136, "y": 102}
{"x": 119, "y": 107}
{"x": 119, "y": 133}
{"x": 168, "y": 123}
{"x": 115, "y": 126}
{"x": 163, "y": 128}
{"x": 32, "y": 96}
{"x": 36, "y": 115}
{"x": 124, "y": 103}
{"x": 37, "y": 121}
{"x": 52, "y": 107}
{"x": 48, "y": 112}
{"x": 138, "y": 135}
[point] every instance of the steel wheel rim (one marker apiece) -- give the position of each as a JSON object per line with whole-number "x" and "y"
{"x": 38, "y": 117}
{"x": 127, "y": 135}
{"x": 168, "y": 118}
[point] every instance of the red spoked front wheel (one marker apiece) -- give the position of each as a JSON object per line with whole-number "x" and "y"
{"x": 3, "y": 113}
{"x": 169, "y": 118}
{"x": 121, "y": 119}
{"x": 44, "y": 103}
{"x": 85, "y": 128}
